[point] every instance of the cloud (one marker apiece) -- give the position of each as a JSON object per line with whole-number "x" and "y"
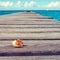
{"x": 10, "y": 4}
{"x": 18, "y": 4}
{"x": 26, "y": 4}
{"x": 29, "y": 4}
{"x": 53, "y": 4}
{"x": 6, "y": 4}
{"x": 32, "y": 3}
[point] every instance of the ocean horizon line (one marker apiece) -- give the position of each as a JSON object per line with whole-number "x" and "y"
{"x": 50, "y": 13}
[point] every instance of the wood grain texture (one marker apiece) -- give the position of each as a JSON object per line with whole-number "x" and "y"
{"x": 28, "y": 25}
{"x": 31, "y": 48}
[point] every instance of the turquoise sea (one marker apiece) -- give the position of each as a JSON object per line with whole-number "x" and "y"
{"x": 51, "y": 13}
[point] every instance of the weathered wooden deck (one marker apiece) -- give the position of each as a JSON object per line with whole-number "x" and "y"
{"x": 28, "y": 25}
{"x": 40, "y": 34}
{"x": 33, "y": 50}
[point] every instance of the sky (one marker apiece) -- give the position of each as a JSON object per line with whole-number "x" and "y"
{"x": 29, "y": 4}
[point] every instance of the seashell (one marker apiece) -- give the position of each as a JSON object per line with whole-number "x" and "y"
{"x": 18, "y": 43}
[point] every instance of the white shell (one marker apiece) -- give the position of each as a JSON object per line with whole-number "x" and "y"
{"x": 13, "y": 43}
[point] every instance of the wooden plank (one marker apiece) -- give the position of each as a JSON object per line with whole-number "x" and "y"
{"x": 31, "y": 49}
{"x": 25, "y": 19}
{"x": 28, "y": 29}
{"x": 48, "y": 20}
{"x": 29, "y": 26}
{"x": 28, "y": 23}
{"x": 30, "y": 35}
{"x": 44, "y": 57}
{"x": 29, "y": 17}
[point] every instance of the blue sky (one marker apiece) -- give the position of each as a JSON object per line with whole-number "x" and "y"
{"x": 29, "y": 4}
